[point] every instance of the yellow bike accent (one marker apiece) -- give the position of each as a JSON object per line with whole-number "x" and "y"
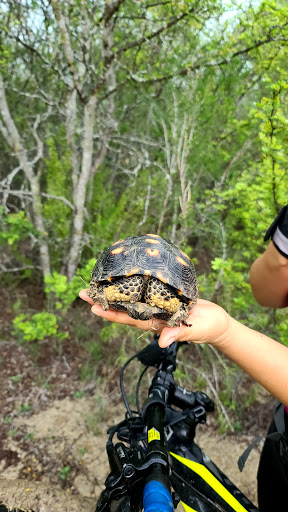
{"x": 187, "y": 508}
{"x": 153, "y": 435}
{"x": 211, "y": 480}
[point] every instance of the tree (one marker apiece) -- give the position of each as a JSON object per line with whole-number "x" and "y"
{"x": 76, "y": 90}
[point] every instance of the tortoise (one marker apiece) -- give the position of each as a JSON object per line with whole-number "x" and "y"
{"x": 146, "y": 276}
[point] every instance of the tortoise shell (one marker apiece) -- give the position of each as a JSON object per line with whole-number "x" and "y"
{"x": 148, "y": 255}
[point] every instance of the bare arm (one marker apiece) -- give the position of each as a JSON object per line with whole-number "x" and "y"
{"x": 263, "y": 358}
{"x": 269, "y": 278}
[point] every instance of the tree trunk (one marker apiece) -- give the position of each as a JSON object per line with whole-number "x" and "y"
{"x": 80, "y": 196}
{"x": 12, "y": 136}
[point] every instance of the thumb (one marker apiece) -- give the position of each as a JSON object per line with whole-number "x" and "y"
{"x": 168, "y": 336}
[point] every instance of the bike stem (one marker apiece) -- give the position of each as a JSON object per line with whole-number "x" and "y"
{"x": 157, "y": 488}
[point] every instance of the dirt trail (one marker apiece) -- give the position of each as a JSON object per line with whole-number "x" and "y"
{"x": 54, "y": 422}
{"x": 70, "y": 434}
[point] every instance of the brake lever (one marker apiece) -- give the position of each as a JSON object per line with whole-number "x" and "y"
{"x": 130, "y": 474}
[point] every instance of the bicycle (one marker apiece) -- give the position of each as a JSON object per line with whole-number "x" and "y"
{"x": 156, "y": 464}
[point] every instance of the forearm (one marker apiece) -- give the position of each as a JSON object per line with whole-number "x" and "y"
{"x": 263, "y": 358}
{"x": 269, "y": 278}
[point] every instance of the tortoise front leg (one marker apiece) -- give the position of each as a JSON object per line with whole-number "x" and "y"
{"x": 180, "y": 316}
{"x": 97, "y": 295}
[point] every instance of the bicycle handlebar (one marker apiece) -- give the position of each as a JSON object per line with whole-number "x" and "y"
{"x": 156, "y": 498}
{"x": 140, "y": 476}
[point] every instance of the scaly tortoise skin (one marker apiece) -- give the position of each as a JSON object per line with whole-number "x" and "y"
{"x": 147, "y": 277}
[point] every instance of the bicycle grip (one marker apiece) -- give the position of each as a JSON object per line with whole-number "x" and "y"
{"x": 156, "y": 498}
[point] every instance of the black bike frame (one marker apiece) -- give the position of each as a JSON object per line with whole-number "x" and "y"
{"x": 159, "y": 445}
{"x": 199, "y": 483}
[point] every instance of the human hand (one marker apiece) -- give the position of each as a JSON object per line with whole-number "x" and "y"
{"x": 208, "y": 323}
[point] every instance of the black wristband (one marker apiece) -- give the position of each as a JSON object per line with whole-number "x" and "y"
{"x": 280, "y": 219}
{"x": 278, "y": 232}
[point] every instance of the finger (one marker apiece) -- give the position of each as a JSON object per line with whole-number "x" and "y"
{"x": 170, "y": 334}
{"x": 121, "y": 318}
{"x": 83, "y": 295}
{"x": 113, "y": 316}
{"x": 165, "y": 341}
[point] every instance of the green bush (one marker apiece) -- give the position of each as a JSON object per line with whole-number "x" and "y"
{"x": 60, "y": 292}
{"x": 60, "y": 296}
{"x": 14, "y": 227}
{"x": 37, "y": 327}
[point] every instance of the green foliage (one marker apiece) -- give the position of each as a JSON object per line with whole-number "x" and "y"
{"x": 95, "y": 421}
{"x": 16, "y": 232}
{"x": 281, "y": 325}
{"x": 24, "y": 408}
{"x": 60, "y": 292}
{"x": 12, "y": 432}
{"x": 112, "y": 217}
{"x": 7, "y": 419}
{"x": 37, "y": 327}
{"x": 94, "y": 348}
{"x": 81, "y": 393}
{"x": 60, "y": 296}
{"x": 262, "y": 189}
{"x": 16, "y": 378}
{"x": 241, "y": 211}
{"x": 64, "y": 472}
{"x": 58, "y": 183}
{"x": 29, "y": 436}
{"x": 14, "y": 227}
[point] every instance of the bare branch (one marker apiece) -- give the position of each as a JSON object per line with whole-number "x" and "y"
{"x": 218, "y": 284}
{"x": 9, "y": 178}
{"x": 111, "y": 8}
{"x": 67, "y": 47}
{"x": 39, "y": 153}
{"x": 83, "y": 180}
{"x": 132, "y": 139}
{"x": 254, "y": 46}
{"x": 147, "y": 202}
{"x": 71, "y": 129}
{"x": 4, "y": 269}
{"x": 5, "y": 134}
{"x": 43, "y": 97}
{"x": 167, "y": 196}
{"x": 6, "y": 182}
{"x": 233, "y": 160}
{"x": 201, "y": 64}
{"x": 154, "y": 34}
{"x": 12, "y": 135}
{"x": 33, "y": 50}
{"x": 28, "y": 193}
